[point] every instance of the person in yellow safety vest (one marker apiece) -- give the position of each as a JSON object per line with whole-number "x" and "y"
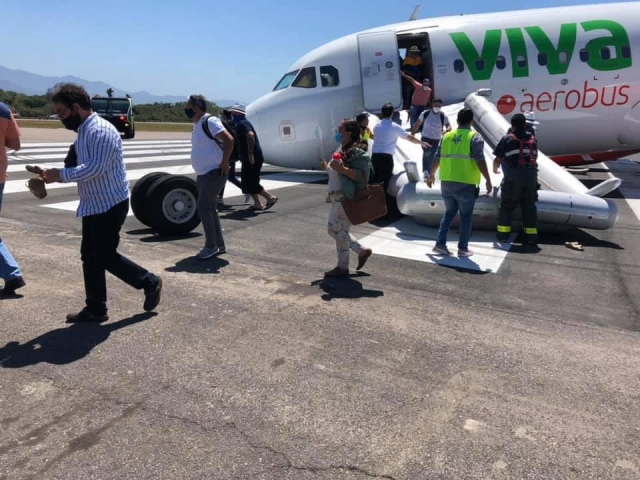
{"x": 461, "y": 163}
{"x": 518, "y": 150}
{"x": 363, "y": 120}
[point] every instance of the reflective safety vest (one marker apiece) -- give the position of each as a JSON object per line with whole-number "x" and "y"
{"x": 456, "y": 162}
{"x": 518, "y": 157}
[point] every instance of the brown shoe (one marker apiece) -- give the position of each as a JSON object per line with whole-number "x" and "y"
{"x": 37, "y": 186}
{"x": 363, "y": 257}
{"x": 337, "y": 272}
{"x": 85, "y": 316}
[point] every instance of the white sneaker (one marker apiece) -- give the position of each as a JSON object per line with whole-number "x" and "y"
{"x": 465, "y": 253}
{"x": 207, "y": 252}
{"x": 441, "y": 250}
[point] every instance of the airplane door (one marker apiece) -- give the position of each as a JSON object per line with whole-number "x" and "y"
{"x": 380, "y": 70}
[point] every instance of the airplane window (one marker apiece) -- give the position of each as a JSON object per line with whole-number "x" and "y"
{"x": 501, "y": 62}
{"x": 458, "y": 66}
{"x": 605, "y": 53}
{"x": 542, "y": 59}
{"x": 286, "y": 80}
{"x": 306, "y": 78}
{"x": 563, "y": 58}
{"x": 626, "y": 51}
{"x": 480, "y": 64}
{"x": 521, "y": 61}
{"x": 584, "y": 55}
{"x": 329, "y": 76}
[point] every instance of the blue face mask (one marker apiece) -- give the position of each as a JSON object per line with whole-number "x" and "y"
{"x": 338, "y": 137}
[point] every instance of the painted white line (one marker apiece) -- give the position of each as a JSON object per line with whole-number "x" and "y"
{"x": 128, "y": 161}
{"x": 61, "y": 156}
{"x": 271, "y": 182}
{"x": 629, "y": 172}
{"x": 409, "y": 240}
{"x": 124, "y": 143}
{"x": 126, "y": 148}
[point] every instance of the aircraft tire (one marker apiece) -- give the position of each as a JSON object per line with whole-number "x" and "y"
{"x": 138, "y": 194}
{"x": 171, "y": 205}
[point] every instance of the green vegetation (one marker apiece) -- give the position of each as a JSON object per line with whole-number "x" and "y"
{"x": 140, "y": 126}
{"x": 39, "y": 107}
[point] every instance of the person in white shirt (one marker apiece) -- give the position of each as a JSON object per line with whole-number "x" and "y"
{"x": 210, "y": 161}
{"x": 386, "y": 135}
{"x": 434, "y": 123}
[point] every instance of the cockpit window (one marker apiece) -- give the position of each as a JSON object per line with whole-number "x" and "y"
{"x": 306, "y": 78}
{"x": 329, "y": 76}
{"x": 286, "y": 80}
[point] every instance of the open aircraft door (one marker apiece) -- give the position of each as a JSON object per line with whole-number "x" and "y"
{"x": 380, "y": 70}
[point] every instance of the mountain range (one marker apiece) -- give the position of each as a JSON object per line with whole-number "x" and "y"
{"x": 34, "y": 84}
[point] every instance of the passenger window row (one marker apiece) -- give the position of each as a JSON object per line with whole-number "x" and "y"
{"x": 521, "y": 60}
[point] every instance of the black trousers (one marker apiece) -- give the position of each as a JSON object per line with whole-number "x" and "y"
{"x": 100, "y": 239}
{"x": 250, "y": 175}
{"x": 382, "y": 164}
{"x": 232, "y": 176}
{"x": 520, "y": 187}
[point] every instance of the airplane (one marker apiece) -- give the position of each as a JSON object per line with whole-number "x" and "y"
{"x": 572, "y": 66}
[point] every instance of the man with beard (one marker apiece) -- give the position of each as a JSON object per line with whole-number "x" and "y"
{"x": 104, "y": 203}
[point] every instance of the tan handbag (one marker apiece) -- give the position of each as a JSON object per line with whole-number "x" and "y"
{"x": 367, "y": 204}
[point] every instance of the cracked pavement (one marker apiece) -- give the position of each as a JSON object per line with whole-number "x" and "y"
{"x": 255, "y": 368}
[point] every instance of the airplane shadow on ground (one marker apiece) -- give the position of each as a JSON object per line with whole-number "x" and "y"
{"x": 345, "y": 287}
{"x": 193, "y": 265}
{"x": 64, "y": 345}
{"x": 581, "y": 236}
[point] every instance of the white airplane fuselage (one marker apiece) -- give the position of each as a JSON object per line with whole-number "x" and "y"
{"x": 575, "y": 67}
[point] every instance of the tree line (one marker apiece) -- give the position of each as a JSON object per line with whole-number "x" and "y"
{"x": 39, "y": 106}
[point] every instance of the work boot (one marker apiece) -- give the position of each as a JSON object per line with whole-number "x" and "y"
{"x": 10, "y": 286}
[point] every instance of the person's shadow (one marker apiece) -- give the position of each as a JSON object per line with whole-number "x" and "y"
{"x": 344, "y": 287}
{"x": 64, "y": 345}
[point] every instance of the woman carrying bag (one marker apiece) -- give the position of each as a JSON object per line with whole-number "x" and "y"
{"x": 348, "y": 172}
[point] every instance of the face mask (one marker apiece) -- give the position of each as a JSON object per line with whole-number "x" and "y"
{"x": 436, "y": 109}
{"x": 236, "y": 118}
{"x": 338, "y": 137}
{"x": 72, "y": 122}
{"x": 189, "y": 112}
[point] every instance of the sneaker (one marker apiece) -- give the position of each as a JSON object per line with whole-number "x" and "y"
{"x": 207, "y": 252}
{"x": 85, "y": 316}
{"x": 222, "y": 250}
{"x": 441, "y": 250}
{"x": 465, "y": 252}
{"x": 10, "y": 286}
{"x": 152, "y": 296}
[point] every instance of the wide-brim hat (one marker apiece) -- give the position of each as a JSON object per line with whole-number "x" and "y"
{"x": 414, "y": 49}
{"x": 238, "y": 108}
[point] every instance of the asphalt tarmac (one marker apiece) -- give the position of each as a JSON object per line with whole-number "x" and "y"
{"x": 255, "y": 367}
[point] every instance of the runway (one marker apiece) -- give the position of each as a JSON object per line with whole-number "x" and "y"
{"x": 510, "y": 365}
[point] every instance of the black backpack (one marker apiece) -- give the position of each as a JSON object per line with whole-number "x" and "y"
{"x": 228, "y": 128}
{"x": 427, "y": 112}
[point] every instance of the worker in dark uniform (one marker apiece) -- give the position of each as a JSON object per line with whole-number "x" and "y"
{"x": 519, "y": 152}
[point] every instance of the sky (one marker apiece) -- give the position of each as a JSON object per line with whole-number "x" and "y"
{"x": 231, "y": 50}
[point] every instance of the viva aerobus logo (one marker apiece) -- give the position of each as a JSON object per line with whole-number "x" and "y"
{"x": 558, "y": 58}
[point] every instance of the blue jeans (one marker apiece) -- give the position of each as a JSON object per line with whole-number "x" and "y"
{"x": 429, "y": 155}
{"x": 414, "y": 113}
{"x": 463, "y": 200}
{"x": 9, "y": 268}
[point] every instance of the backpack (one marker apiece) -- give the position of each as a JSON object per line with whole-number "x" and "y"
{"x": 228, "y": 128}
{"x": 533, "y": 150}
{"x": 427, "y": 112}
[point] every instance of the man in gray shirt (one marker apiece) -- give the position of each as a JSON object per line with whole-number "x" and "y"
{"x": 434, "y": 123}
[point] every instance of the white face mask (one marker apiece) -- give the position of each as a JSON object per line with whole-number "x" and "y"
{"x": 436, "y": 109}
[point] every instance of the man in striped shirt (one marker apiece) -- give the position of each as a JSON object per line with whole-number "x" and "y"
{"x": 104, "y": 203}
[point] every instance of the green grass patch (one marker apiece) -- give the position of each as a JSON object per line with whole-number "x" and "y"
{"x": 140, "y": 126}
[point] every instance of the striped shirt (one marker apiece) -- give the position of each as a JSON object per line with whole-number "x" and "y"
{"x": 100, "y": 174}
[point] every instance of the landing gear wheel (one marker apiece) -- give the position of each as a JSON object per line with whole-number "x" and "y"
{"x": 138, "y": 194}
{"x": 171, "y": 205}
